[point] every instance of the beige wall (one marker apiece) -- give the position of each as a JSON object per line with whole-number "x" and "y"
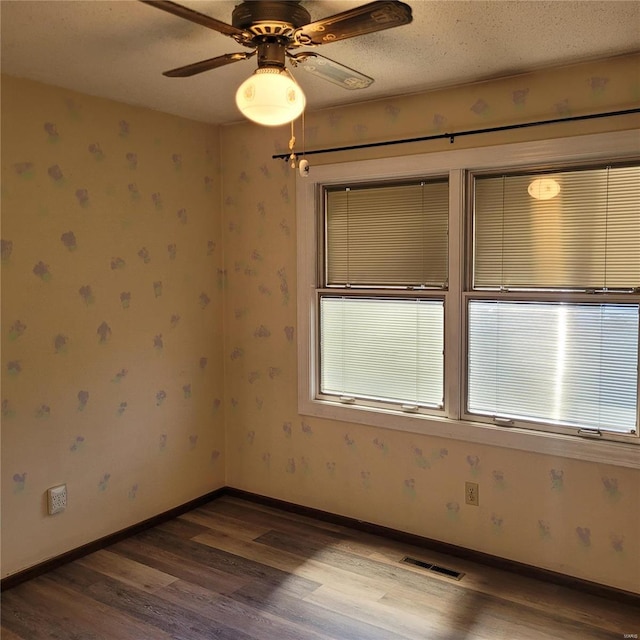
{"x": 122, "y": 466}
{"x": 111, "y": 298}
{"x": 566, "y": 515}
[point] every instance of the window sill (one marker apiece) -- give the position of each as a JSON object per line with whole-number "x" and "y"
{"x": 620, "y": 454}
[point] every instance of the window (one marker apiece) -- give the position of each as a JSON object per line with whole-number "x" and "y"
{"x": 555, "y": 363}
{"x": 585, "y": 237}
{"x": 541, "y": 349}
{"x": 378, "y": 342}
{"x": 477, "y": 294}
{"x": 392, "y": 235}
{"x": 382, "y": 349}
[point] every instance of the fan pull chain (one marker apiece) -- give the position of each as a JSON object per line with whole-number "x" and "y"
{"x": 303, "y": 165}
{"x": 292, "y": 144}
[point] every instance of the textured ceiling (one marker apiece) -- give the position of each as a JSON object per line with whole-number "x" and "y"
{"x": 118, "y": 48}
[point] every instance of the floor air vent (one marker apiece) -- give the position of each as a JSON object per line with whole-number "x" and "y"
{"x": 450, "y": 573}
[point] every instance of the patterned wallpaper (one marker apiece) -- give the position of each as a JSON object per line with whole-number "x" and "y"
{"x": 112, "y": 316}
{"x": 566, "y": 515}
{"x": 125, "y": 251}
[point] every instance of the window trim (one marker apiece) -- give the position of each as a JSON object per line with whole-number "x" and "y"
{"x": 593, "y": 147}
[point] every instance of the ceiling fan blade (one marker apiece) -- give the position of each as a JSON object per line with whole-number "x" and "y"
{"x": 333, "y": 71}
{"x": 206, "y": 65}
{"x": 195, "y": 16}
{"x": 368, "y": 18}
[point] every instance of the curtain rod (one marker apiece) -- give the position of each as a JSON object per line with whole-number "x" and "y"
{"x": 453, "y": 136}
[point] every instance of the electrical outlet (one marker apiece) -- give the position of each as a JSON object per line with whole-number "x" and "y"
{"x": 471, "y": 495}
{"x": 57, "y": 499}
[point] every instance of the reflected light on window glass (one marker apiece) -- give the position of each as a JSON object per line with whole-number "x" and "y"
{"x": 544, "y": 189}
{"x": 560, "y": 361}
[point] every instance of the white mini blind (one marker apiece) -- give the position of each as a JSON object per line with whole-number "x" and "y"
{"x": 586, "y": 237}
{"x": 382, "y": 349}
{"x": 567, "y": 364}
{"x": 390, "y": 235}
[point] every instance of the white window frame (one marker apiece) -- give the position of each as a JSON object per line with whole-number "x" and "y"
{"x": 595, "y": 147}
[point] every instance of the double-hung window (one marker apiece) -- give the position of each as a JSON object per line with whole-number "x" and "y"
{"x": 489, "y": 295}
{"x": 552, "y": 313}
{"x": 381, "y": 303}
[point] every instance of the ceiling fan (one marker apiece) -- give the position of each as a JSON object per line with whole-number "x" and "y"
{"x": 274, "y": 30}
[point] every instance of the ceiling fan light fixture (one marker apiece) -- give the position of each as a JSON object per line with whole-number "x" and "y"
{"x": 544, "y": 189}
{"x": 270, "y": 97}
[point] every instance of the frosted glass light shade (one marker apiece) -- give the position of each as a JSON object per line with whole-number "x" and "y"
{"x": 544, "y": 189}
{"x": 270, "y": 97}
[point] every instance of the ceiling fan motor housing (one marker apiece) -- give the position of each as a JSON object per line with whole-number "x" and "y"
{"x": 270, "y": 17}
{"x": 272, "y": 24}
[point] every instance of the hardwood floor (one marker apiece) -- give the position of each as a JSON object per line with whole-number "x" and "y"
{"x": 237, "y": 570}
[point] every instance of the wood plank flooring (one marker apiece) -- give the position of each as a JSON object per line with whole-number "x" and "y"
{"x": 238, "y": 570}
